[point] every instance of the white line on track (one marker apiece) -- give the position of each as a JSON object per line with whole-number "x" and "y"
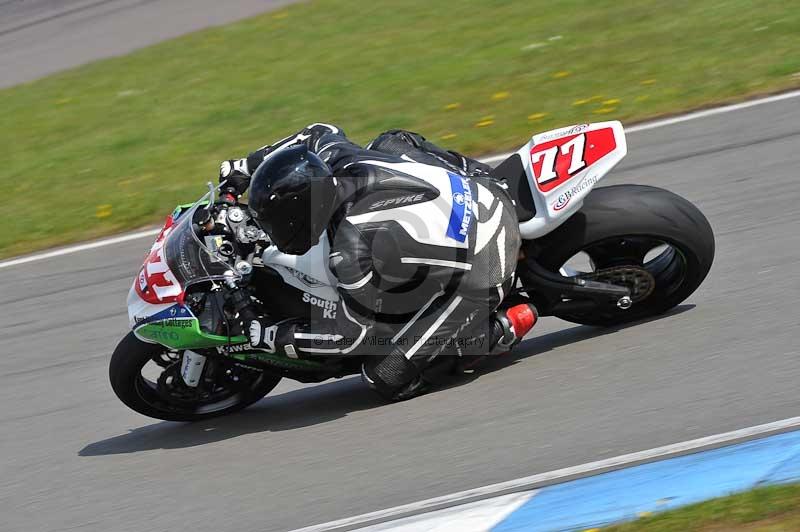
{"x": 493, "y": 159}
{"x": 80, "y": 247}
{"x": 553, "y": 477}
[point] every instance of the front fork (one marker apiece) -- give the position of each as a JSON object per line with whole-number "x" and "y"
{"x": 192, "y": 365}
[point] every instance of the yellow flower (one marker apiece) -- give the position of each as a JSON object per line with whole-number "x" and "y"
{"x": 613, "y": 101}
{"x": 648, "y": 82}
{"x": 582, "y": 101}
{"x": 642, "y": 98}
{"x": 503, "y": 95}
{"x": 561, "y": 74}
{"x": 103, "y": 211}
{"x": 280, "y": 14}
{"x": 452, "y": 106}
{"x": 536, "y": 116}
{"x": 605, "y": 110}
{"x": 448, "y": 136}
{"x": 485, "y": 122}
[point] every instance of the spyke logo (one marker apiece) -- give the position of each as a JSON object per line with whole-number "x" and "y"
{"x": 391, "y": 202}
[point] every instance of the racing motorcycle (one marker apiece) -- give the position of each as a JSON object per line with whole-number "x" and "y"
{"x": 596, "y": 256}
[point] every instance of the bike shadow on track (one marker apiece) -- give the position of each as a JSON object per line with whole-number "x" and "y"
{"x": 321, "y": 403}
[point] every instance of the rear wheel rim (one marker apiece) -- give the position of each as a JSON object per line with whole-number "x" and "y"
{"x": 644, "y": 259}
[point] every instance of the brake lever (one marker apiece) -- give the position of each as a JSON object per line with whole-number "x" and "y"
{"x": 227, "y": 195}
{"x": 227, "y": 198}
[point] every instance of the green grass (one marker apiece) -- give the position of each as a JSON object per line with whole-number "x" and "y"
{"x": 768, "y": 509}
{"x": 115, "y": 144}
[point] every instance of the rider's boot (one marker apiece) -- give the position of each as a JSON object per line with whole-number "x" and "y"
{"x": 393, "y": 377}
{"x": 509, "y": 327}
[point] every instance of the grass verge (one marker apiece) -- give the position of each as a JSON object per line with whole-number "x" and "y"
{"x": 115, "y": 144}
{"x": 768, "y": 509}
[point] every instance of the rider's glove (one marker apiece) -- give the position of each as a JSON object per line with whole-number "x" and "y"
{"x": 235, "y": 175}
{"x": 263, "y": 336}
{"x": 276, "y": 338}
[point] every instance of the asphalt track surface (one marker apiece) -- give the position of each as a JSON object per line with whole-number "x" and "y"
{"x": 72, "y": 457}
{"x": 39, "y": 37}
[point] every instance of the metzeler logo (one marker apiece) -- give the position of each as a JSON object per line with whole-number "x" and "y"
{"x": 466, "y": 200}
{"x": 461, "y": 208}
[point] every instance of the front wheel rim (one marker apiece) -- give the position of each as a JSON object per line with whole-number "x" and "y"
{"x": 217, "y": 400}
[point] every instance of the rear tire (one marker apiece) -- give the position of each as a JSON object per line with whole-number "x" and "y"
{"x": 635, "y": 212}
{"x": 132, "y": 354}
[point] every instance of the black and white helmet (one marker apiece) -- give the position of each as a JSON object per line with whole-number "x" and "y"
{"x": 292, "y": 198}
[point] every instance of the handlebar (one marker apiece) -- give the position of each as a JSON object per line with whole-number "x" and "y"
{"x": 239, "y": 298}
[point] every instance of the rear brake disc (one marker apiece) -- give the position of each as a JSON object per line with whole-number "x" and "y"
{"x": 638, "y": 280}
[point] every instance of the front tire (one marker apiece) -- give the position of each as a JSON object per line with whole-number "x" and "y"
{"x": 142, "y": 395}
{"x": 617, "y": 224}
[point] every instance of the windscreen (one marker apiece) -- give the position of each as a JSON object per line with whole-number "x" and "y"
{"x": 190, "y": 259}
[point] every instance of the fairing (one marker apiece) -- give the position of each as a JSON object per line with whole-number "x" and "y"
{"x": 562, "y": 167}
{"x": 177, "y": 260}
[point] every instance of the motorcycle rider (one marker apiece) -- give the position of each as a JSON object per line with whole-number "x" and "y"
{"x": 423, "y": 257}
